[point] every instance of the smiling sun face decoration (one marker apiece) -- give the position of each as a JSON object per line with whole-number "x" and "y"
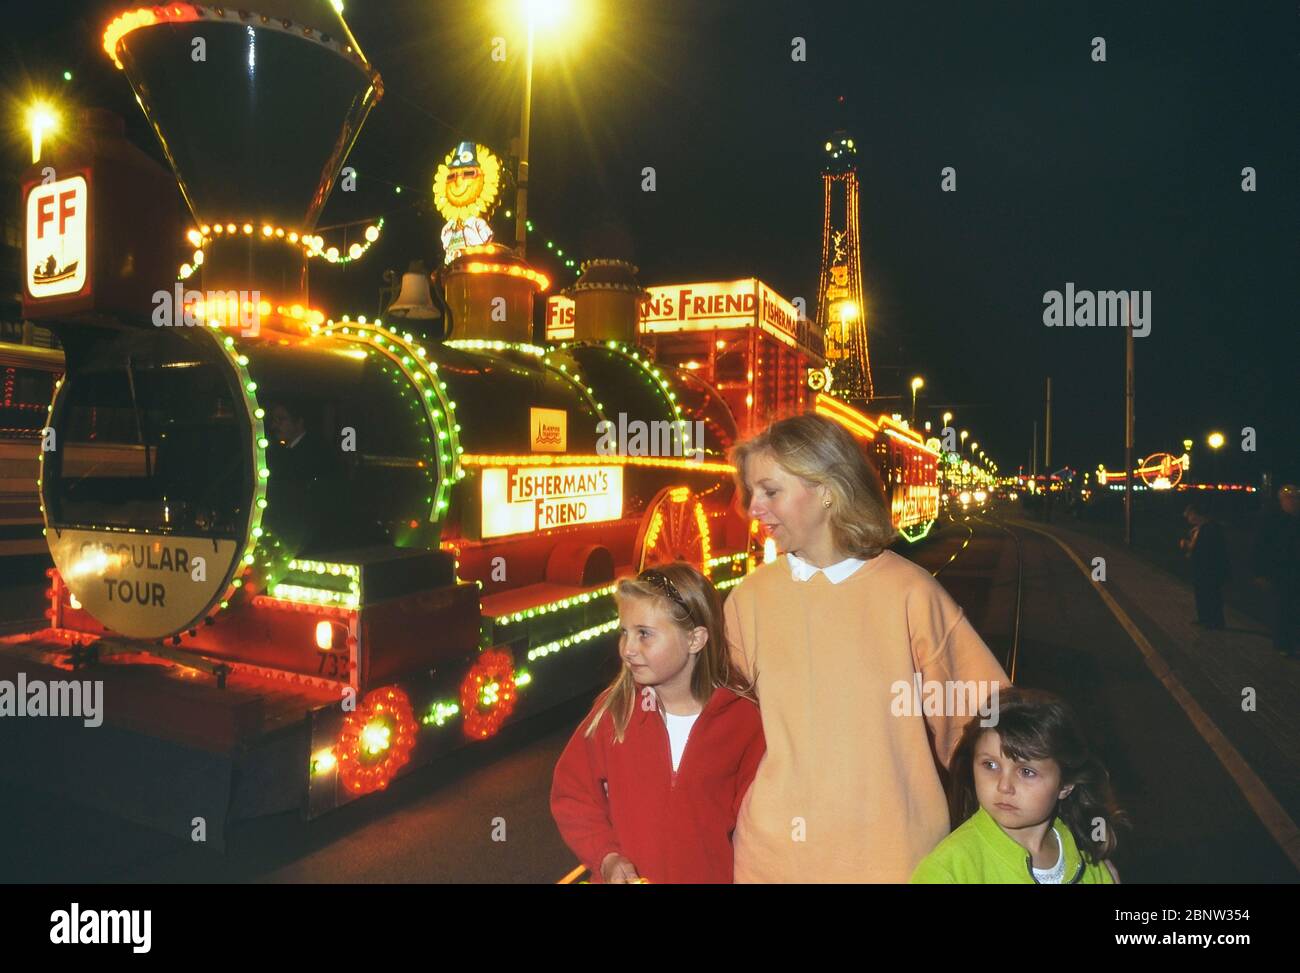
{"x": 467, "y": 183}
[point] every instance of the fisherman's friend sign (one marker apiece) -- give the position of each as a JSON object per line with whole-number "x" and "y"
{"x": 56, "y": 258}
{"x": 526, "y": 499}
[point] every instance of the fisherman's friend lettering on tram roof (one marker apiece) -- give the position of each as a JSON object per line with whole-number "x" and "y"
{"x": 727, "y": 304}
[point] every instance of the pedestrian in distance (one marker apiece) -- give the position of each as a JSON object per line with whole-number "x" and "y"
{"x": 1207, "y": 549}
{"x": 1277, "y": 567}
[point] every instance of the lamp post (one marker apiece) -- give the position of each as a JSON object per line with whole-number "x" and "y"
{"x": 917, "y": 383}
{"x": 543, "y": 13}
{"x": 525, "y": 122}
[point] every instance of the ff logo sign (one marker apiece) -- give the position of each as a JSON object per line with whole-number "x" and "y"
{"x": 57, "y": 222}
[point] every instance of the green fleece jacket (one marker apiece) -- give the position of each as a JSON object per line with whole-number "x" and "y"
{"x": 981, "y": 853}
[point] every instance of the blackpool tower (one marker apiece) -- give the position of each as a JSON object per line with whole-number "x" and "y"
{"x": 840, "y": 309}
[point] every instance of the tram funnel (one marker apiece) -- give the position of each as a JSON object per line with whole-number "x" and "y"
{"x": 255, "y": 109}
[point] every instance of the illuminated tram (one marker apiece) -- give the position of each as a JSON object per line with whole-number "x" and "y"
{"x": 329, "y": 550}
{"x": 27, "y": 377}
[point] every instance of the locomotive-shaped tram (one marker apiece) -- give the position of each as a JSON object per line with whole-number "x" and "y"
{"x": 325, "y": 549}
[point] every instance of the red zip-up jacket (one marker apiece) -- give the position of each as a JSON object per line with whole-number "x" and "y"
{"x": 674, "y": 826}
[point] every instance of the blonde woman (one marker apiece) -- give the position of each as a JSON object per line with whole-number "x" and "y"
{"x": 866, "y": 670}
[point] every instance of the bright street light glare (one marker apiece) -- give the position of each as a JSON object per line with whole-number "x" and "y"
{"x": 546, "y": 14}
{"x": 41, "y": 120}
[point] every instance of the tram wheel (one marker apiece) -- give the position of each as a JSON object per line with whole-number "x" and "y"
{"x": 376, "y": 741}
{"x": 488, "y": 694}
{"x": 675, "y": 528}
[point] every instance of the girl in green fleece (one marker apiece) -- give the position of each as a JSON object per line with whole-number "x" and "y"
{"x": 1036, "y": 803}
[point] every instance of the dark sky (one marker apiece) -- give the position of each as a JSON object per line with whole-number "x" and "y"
{"x": 1117, "y": 175}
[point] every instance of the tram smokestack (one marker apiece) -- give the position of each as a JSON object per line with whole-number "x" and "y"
{"x": 256, "y": 112}
{"x": 606, "y": 302}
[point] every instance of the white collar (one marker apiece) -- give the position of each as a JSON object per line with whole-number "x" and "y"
{"x": 801, "y": 570}
{"x": 1055, "y": 872}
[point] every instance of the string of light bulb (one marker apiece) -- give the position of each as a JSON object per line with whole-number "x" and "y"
{"x": 313, "y": 244}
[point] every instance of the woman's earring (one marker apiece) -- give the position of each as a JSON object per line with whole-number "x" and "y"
{"x": 826, "y": 502}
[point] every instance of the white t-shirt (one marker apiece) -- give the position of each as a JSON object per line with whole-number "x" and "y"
{"x": 1056, "y": 874}
{"x": 679, "y": 728}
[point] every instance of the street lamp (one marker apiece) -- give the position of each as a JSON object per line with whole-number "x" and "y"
{"x": 543, "y": 14}
{"x": 40, "y": 121}
{"x": 917, "y": 383}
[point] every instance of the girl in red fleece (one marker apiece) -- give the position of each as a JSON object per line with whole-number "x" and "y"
{"x": 650, "y": 784}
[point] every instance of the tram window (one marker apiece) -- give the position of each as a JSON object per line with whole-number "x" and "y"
{"x": 151, "y": 442}
{"x": 731, "y": 366}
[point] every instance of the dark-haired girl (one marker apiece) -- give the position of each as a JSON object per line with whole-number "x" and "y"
{"x": 1036, "y": 802}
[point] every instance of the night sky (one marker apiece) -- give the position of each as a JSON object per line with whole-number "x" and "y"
{"x": 1117, "y": 175}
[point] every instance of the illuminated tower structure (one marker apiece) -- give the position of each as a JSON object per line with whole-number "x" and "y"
{"x": 840, "y": 309}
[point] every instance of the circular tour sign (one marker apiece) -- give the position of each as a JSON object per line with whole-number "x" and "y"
{"x": 143, "y": 585}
